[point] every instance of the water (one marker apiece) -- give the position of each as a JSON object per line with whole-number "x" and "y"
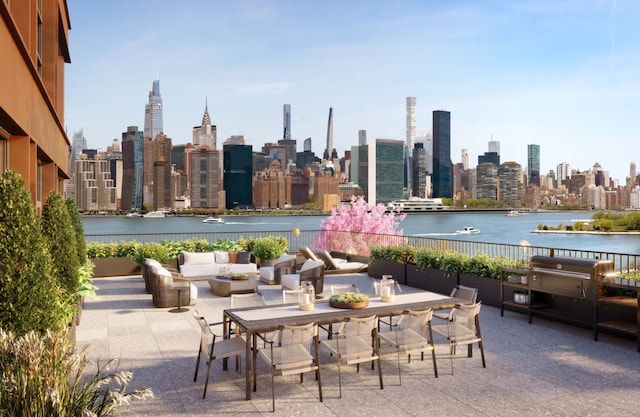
{"x": 494, "y": 228}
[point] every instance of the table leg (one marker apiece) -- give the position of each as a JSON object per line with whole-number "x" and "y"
{"x": 248, "y": 366}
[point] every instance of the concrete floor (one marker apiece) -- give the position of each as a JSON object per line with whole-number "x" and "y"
{"x": 542, "y": 369}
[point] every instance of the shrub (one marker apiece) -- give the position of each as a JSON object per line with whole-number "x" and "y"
{"x": 158, "y": 251}
{"x": 29, "y": 296}
{"x": 78, "y": 228}
{"x": 42, "y": 376}
{"x": 394, "y": 253}
{"x": 270, "y": 247}
{"x": 59, "y": 230}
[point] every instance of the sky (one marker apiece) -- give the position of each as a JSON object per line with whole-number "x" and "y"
{"x": 563, "y": 74}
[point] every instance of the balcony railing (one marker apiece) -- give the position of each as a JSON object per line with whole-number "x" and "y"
{"x": 622, "y": 261}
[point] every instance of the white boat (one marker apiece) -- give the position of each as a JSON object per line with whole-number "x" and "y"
{"x": 415, "y": 204}
{"x": 468, "y": 230}
{"x": 134, "y": 214}
{"x": 154, "y": 214}
{"x": 213, "y": 220}
{"x": 514, "y": 213}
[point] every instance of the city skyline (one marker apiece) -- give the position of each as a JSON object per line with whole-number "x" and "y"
{"x": 558, "y": 74}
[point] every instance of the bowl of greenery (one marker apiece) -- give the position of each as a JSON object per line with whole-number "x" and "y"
{"x": 349, "y": 300}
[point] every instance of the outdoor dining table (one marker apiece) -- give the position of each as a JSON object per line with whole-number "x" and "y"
{"x": 257, "y": 320}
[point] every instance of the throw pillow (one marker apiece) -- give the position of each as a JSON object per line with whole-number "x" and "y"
{"x": 222, "y": 257}
{"x": 244, "y": 257}
{"x": 233, "y": 257}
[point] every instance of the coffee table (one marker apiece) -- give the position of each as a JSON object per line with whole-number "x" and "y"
{"x": 224, "y": 286}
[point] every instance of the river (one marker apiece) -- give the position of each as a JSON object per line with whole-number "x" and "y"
{"x": 494, "y": 228}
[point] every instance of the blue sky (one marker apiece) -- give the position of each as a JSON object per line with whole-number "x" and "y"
{"x": 564, "y": 74}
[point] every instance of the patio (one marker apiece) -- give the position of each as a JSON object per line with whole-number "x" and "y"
{"x": 543, "y": 369}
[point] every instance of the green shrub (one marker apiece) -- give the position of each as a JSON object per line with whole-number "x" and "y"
{"x": 226, "y": 245}
{"x": 60, "y": 232}
{"x": 158, "y": 251}
{"x": 78, "y": 228}
{"x": 29, "y": 296}
{"x": 43, "y": 376}
{"x": 394, "y": 253}
{"x": 270, "y": 247}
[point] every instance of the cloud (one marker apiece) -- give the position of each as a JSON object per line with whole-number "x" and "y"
{"x": 265, "y": 88}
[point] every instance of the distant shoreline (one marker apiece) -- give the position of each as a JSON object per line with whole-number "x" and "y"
{"x": 585, "y": 232}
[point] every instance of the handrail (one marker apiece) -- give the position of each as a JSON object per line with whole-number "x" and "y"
{"x": 622, "y": 261}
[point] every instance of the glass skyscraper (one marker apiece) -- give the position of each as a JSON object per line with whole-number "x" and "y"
{"x": 286, "y": 121}
{"x": 533, "y": 163}
{"x": 442, "y": 166}
{"x": 153, "y": 112}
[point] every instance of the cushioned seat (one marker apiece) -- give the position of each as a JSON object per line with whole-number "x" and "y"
{"x": 163, "y": 293}
{"x": 311, "y": 271}
{"x": 285, "y": 264}
{"x": 339, "y": 265}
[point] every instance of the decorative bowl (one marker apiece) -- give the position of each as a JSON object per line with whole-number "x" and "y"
{"x": 349, "y": 300}
{"x": 239, "y": 277}
{"x": 354, "y": 306}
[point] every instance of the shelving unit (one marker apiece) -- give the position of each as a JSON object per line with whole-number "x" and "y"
{"x": 621, "y": 325}
{"x": 509, "y": 304}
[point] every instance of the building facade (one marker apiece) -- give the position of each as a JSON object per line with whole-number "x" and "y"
{"x": 237, "y": 176}
{"x": 533, "y": 164}
{"x": 442, "y": 166}
{"x": 35, "y": 48}
{"x": 510, "y": 184}
{"x": 94, "y": 188}
{"x": 132, "y": 169}
{"x": 204, "y": 176}
{"x": 206, "y": 134}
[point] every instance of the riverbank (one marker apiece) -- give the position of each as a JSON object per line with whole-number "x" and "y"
{"x": 586, "y": 232}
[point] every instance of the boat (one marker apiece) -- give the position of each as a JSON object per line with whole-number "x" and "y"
{"x": 134, "y": 214}
{"x": 213, "y": 220}
{"x": 468, "y": 230}
{"x": 514, "y": 213}
{"x": 154, "y": 214}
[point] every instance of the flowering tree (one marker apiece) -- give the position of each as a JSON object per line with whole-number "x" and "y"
{"x": 354, "y": 227}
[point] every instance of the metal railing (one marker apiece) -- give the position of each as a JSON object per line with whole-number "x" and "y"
{"x": 310, "y": 238}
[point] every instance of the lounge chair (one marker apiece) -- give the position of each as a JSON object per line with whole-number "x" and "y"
{"x": 339, "y": 265}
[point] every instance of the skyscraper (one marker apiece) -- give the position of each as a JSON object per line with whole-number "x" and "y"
{"x": 411, "y": 121}
{"x": 329, "y": 151}
{"x": 206, "y": 134}
{"x": 153, "y": 112}
{"x": 132, "y": 169}
{"x": 79, "y": 143}
{"x": 237, "y": 175}
{"x": 533, "y": 164}
{"x": 464, "y": 158}
{"x": 494, "y": 146}
{"x": 286, "y": 121}
{"x": 442, "y": 166}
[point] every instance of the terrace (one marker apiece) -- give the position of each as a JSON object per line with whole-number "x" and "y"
{"x": 544, "y": 368}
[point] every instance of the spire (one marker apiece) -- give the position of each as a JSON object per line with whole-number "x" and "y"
{"x": 206, "y": 120}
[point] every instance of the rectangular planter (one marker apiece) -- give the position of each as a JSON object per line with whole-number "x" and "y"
{"x": 112, "y": 267}
{"x": 488, "y": 288}
{"x": 430, "y": 279}
{"x": 379, "y": 267}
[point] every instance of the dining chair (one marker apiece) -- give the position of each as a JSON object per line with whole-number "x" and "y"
{"x": 247, "y": 300}
{"x": 412, "y": 334}
{"x": 468, "y": 294}
{"x": 355, "y": 342}
{"x": 292, "y": 350}
{"x": 214, "y": 347}
{"x": 462, "y": 328}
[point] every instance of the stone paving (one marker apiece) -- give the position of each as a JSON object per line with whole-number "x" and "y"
{"x": 540, "y": 369}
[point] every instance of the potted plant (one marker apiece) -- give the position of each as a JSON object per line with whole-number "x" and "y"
{"x": 268, "y": 249}
{"x": 391, "y": 260}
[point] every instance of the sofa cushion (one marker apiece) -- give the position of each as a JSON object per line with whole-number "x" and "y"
{"x": 285, "y": 257}
{"x": 222, "y": 257}
{"x": 244, "y": 257}
{"x": 161, "y": 271}
{"x": 233, "y": 257}
{"x": 310, "y": 264}
{"x": 198, "y": 258}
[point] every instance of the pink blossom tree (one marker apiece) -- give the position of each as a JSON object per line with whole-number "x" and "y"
{"x": 354, "y": 227}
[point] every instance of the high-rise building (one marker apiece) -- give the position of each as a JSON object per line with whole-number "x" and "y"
{"x": 95, "y": 190}
{"x": 306, "y": 146}
{"x": 494, "y": 146}
{"x": 487, "y": 181}
{"x": 493, "y": 157}
{"x": 290, "y": 146}
{"x": 633, "y": 180}
{"x": 533, "y": 164}
{"x": 564, "y": 172}
{"x": 380, "y": 170}
{"x": 419, "y": 171}
{"x": 329, "y": 151}
{"x": 237, "y": 175}
{"x": 286, "y": 121}
{"x": 442, "y": 166}
{"x": 77, "y": 146}
{"x": 163, "y": 196}
{"x": 205, "y": 134}
{"x": 464, "y": 158}
{"x": 362, "y": 137}
{"x": 509, "y": 184}
{"x": 153, "y": 112}
{"x": 132, "y": 169}
{"x": 34, "y": 48}
{"x": 204, "y": 165}
{"x": 411, "y": 121}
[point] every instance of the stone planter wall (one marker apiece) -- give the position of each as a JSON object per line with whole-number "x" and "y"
{"x": 488, "y": 288}
{"x": 379, "y": 267}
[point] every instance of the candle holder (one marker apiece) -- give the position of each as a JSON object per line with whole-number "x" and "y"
{"x": 387, "y": 289}
{"x": 306, "y": 296}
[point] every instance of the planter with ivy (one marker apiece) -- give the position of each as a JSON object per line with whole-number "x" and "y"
{"x": 391, "y": 260}
{"x": 267, "y": 249}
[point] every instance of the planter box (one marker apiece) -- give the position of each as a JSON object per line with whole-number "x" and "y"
{"x": 434, "y": 280}
{"x": 379, "y": 267}
{"x": 488, "y": 288}
{"x": 112, "y": 267}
